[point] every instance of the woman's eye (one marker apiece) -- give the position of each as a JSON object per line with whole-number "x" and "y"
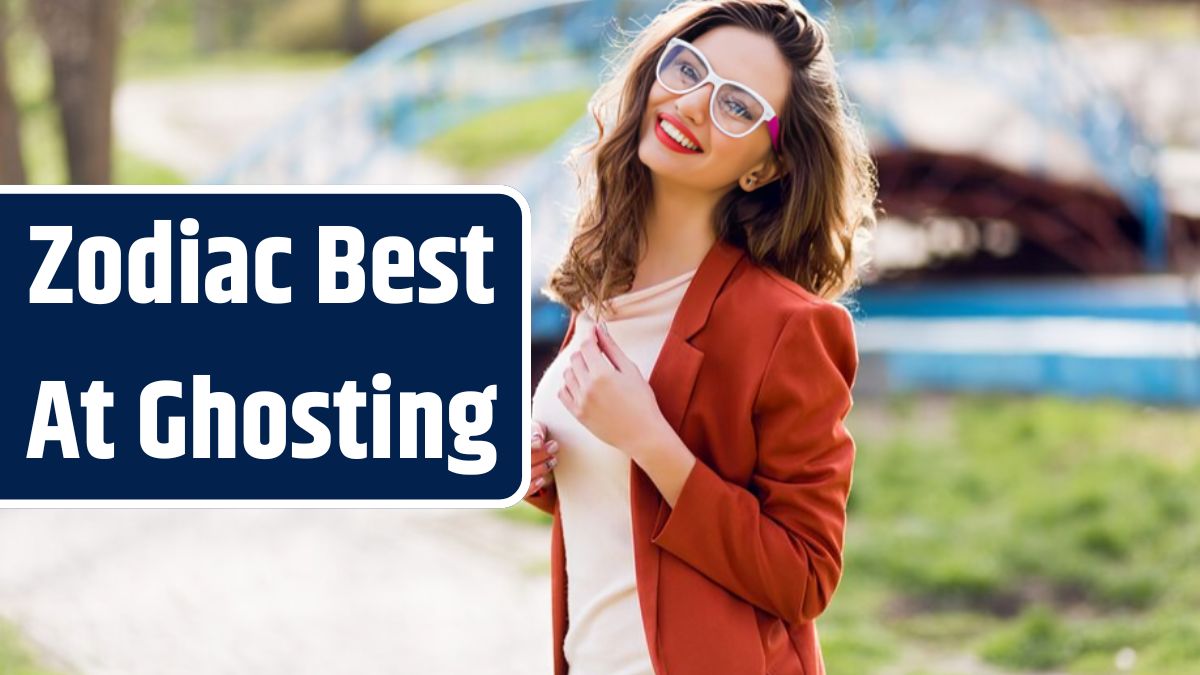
{"x": 689, "y": 72}
{"x": 736, "y": 107}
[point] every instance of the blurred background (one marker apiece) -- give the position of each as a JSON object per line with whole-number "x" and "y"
{"x": 1027, "y": 412}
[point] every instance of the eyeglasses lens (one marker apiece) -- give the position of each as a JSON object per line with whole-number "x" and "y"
{"x": 681, "y": 69}
{"x": 736, "y": 110}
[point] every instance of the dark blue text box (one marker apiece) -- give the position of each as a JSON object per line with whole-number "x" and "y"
{"x": 302, "y": 346}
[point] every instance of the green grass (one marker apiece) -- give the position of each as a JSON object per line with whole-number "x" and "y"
{"x": 15, "y": 656}
{"x": 1020, "y": 533}
{"x": 45, "y": 161}
{"x": 165, "y": 47}
{"x": 524, "y": 512}
{"x": 291, "y": 35}
{"x": 133, "y": 169}
{"x": 509, "y": 132}
{"x": 1052, "y": 532}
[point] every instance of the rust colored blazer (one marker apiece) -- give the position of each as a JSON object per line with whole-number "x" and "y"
{"x": 755, "y": 376}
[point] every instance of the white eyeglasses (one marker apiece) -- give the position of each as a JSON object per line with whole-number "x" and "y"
{"x": 734, "y": 108}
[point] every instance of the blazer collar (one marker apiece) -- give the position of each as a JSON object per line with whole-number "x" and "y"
{"x": 702, "y": 292}
{"x": 696, "y": 304}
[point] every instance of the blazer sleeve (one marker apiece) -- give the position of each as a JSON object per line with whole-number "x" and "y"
{"x": 778, "y": 544}
{"x": 546, "y": 498}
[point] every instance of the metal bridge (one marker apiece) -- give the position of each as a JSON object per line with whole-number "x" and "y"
{"x": 977, "y": 112}
{"x": 438, "y": 72}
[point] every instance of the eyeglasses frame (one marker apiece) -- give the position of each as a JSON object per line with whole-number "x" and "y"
{"x": 768, "y": 116}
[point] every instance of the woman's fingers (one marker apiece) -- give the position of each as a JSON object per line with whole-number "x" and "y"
{"x": 568, "y": 401}
{"x": 544, "y": 459}
{"x": 571, "y": 383}
{"x": 541, "y": 474}
{"x": 538, "y": 441}
{"x": 593, "y": 357}
{"x": 539, "y": 483}
{"x": 542, "y": 468}
{"x": 543, "y": 453}
{"x": 546, "y": 452}
{"x": 578, "y": 362}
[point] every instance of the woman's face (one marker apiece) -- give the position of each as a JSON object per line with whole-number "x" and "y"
{"x": 735, "y": 54}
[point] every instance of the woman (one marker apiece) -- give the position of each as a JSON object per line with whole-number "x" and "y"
{"x": 689, "y": 436}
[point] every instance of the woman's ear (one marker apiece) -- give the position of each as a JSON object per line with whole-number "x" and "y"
{"x": 760, "y": 174}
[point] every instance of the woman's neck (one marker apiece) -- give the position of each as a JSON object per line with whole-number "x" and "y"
{"x": 679, "y": 233}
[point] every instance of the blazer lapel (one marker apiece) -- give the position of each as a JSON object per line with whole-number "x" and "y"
{"x": 678, "y": 364}
{"x": 673, "y": 379}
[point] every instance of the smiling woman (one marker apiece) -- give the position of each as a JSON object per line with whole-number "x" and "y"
{"x": 689, "y": 437}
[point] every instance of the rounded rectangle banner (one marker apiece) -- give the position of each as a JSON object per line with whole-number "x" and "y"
{"x": 265, "y": 346}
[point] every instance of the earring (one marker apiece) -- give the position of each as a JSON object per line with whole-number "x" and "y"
{"x": 750, "y": 181}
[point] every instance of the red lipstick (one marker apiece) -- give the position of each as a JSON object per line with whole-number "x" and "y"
{"x": 671, "y": 143}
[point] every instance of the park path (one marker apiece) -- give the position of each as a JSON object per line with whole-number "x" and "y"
{"x": 289, "y": 591}
{"x": 197, "y": 125}
{"x": 194, "y": 125}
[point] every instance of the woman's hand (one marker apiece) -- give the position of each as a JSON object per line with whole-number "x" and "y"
{"x": 604, "y": 389}
{"x": 543, "y": 459}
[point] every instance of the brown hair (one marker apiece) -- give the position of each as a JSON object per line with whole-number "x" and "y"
{"x": 803, "y": 225}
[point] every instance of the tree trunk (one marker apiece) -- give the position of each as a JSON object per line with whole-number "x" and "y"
{"x": 12, "y": 169}
{"x": 81, "y": 37}
{"x": 354, "y": 26}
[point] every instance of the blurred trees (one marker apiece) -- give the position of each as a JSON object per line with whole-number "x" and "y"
{"x": 81, "y": 38}
{"x": 337, "y": 25}
{"x": 348, "y": 26}
{"x": 12, "y": 169}
{"x": 223, "y": 24}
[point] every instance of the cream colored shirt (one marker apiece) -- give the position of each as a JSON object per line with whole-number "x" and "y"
{"x": 605, "y": 635}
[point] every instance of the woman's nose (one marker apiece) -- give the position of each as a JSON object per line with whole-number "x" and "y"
{"x": 693, "y": 106}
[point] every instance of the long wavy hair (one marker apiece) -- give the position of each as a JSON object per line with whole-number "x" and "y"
{"x": 803, "y": 225}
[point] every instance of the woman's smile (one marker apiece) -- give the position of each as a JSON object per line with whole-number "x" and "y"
{"x": 675, "y": 135}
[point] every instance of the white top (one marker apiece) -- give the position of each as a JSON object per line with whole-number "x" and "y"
{"x": 605, "y": 635}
